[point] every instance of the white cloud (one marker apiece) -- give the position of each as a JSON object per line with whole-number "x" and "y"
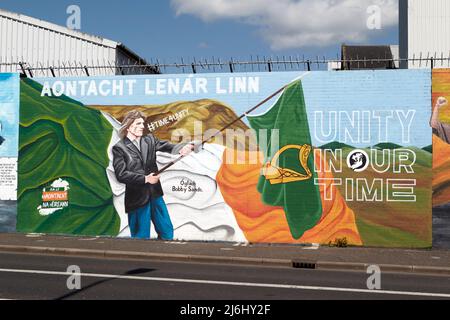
{"x": 287, "y": 24}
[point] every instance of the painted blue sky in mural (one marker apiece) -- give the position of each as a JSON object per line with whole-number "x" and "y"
{"x": 9, "y": 114}
{"x": 359, "y": 108}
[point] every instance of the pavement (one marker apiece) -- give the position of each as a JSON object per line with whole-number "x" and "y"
{"x": 421, "y": 261}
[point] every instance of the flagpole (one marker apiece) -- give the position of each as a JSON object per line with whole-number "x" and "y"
{"x": 245, "y": 114}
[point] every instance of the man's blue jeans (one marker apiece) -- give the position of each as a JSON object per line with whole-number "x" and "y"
{"x": 156, "y": 211}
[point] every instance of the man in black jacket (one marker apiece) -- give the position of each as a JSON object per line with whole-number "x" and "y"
{"x": 134, "y": 165}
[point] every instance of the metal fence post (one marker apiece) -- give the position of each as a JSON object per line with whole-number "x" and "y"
{"x": 23, "y": 69}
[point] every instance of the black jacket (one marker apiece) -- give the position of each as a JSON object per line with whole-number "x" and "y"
{"x": 131, "y": 166}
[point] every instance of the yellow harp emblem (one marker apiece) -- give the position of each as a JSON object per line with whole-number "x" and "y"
{"x": 277, "y": 175}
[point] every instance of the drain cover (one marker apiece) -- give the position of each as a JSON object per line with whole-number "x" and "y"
{"x": 303, "y": 264}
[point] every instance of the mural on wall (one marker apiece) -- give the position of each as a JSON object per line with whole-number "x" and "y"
{"x": 9, "y": 119}
{"x": 63, "y": 186}
{"x": 334, "y": 156}
{"x": 440, "y": 122}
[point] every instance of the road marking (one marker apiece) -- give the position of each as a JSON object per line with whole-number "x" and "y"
{"x": 229, "y": 283}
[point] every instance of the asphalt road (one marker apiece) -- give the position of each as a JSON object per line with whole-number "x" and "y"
{"x": 37, "y": 277}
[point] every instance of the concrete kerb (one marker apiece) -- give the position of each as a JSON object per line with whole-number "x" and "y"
{"x": 434, "y": 270}
{"x": 362, "y": 266}
{"x": 116, "y": 254}
{"x": 327, "y": 265}
{"x": 319, "y": 265}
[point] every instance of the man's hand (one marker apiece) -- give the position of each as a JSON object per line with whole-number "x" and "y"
{"x": 441, "y": 101}
{"x": 187, "y": 149}
{"x": 434, "y": 122}
{"x": 152, "y": 179}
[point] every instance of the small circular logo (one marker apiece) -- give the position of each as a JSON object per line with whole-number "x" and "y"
{"x": 358, "y": 160}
